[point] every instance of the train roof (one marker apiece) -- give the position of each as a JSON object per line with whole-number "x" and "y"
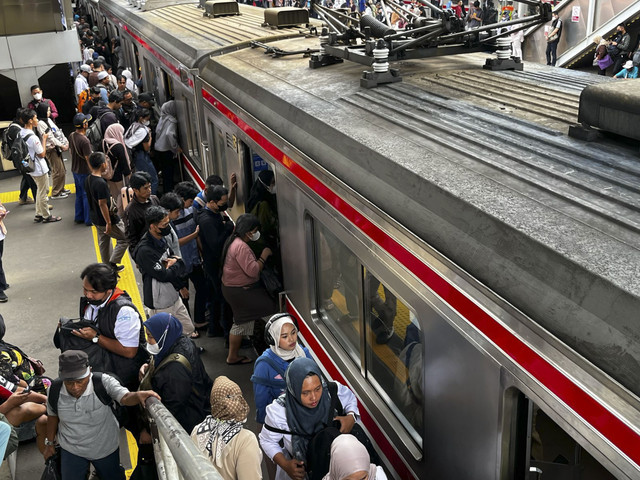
{"x": 477, "y": 164}
{"x": 183, "y": 31}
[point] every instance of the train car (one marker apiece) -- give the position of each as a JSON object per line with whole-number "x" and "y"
{"x": 468, "y": 270}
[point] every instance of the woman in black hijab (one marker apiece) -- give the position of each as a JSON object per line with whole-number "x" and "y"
{"x": 302, "y": 410}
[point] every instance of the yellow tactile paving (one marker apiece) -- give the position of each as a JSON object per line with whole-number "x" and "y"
{"x": 133, "y": 453}
{"x": 10, "y": 197}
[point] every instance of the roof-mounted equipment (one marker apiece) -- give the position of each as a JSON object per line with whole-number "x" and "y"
{"x": 285, "y": 17}
{"x": 220, "y": 8}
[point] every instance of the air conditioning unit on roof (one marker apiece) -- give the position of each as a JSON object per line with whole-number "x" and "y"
{"x": 219, "y": 8}
{"x": 286, "y": 17}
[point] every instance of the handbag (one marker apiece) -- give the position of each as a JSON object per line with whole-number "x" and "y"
{"x": 37, "y": 365}
{"x": 52, "y": 467}
{"x": 271, "y": 282}
{"x": 552, "y": 38}
{"x": 606, "y": 62}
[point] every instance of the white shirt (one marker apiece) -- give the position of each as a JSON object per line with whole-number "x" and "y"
{"x": 277, "y": 417}
{"x": 127, "y": 327}
{"x": 35, "y": 149}
{"x": 80, "y": 85}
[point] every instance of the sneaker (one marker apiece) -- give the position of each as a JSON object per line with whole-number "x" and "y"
{"x": 117, "y": 268}
{"x": 66, "y": 190}
{"x": 60, "y": 195}
{"x": 26, "y": 201}
{"x": 3, "y": 297}
{"x": 384, "y": 335}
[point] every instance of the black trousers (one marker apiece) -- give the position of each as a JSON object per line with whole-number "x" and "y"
{"x": 3, "y": 279}
{"x": 27, "y": 183}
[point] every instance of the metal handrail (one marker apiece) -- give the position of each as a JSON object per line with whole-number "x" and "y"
{"x": 190, "y": 463}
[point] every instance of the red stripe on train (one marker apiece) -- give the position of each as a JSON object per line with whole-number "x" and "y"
{"x": 610, "y": 426}
{"x": 192, "y": 171}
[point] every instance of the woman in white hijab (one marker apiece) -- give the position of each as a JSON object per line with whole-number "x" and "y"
{"x": 281, "y": 334}
{"x": 350, "y": 461}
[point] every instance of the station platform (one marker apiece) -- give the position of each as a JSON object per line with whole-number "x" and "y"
{"x": 42, "y": 263}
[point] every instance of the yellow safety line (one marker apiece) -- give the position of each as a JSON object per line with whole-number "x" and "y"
{"x": 10, "y": 197}
{"x": 133, "y": 453}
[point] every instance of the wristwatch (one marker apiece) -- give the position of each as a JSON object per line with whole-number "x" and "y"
{"x": 49, "y": 443}
{"x": 95, "y": 339}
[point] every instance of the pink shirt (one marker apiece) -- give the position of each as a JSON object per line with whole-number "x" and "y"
{"x": 241, "y": 268}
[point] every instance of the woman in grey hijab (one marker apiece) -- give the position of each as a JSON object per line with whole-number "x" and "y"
{"x": 167, "y": 148}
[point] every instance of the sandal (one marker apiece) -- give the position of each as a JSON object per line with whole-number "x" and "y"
{"x": 195, "y": 334}
{"x": 51, "y": 219}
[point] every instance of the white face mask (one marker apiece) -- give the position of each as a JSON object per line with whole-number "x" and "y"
{"x": 272, "y": 190}
{"x": 255, "y": 237}
{"x": 37, "y": 96}
{"x": 153, "y": 349}
{"x": 146, "y": 124}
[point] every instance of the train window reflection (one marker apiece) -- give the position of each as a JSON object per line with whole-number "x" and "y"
{"x": 339, "y": 290}
{"x": 394, "y": 345}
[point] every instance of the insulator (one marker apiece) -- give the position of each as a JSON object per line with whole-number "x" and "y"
{"x": 504, "y": 48}
{"x": 381, "y": 59}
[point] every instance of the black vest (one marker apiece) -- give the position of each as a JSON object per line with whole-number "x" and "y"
{"x": 126, "y": 369}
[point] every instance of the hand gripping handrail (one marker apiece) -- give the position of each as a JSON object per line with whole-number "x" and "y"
{"x": 191, "y": 464}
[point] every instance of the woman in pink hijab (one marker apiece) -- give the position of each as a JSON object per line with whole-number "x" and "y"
{"x": 350, "y": 461}
{"x": 114, "y": 147}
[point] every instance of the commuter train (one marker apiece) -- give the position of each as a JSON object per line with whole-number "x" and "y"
{"x": 469, "y": 271}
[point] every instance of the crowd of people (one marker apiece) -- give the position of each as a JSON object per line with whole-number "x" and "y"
{"x": 617, "y": 55}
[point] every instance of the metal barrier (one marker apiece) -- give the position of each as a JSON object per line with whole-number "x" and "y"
{"x": 177, "y": 457}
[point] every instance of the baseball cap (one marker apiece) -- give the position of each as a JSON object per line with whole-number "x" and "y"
{"x": 73, "y": 364}
{"x": 102, "y": 75}
{"x": 85, "y": 68}
{"x": 146, "y": 97}
{"x": 80, "y": 118}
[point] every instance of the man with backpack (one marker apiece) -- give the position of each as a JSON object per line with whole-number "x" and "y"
{"x": 27, "y": 183}
{"x": 36, "y": 163}
{"x": 80, "y": 410}
{"x": 81, "y": 86}
{"x": 104, "y": 213}
{"x": 620, "y": 47}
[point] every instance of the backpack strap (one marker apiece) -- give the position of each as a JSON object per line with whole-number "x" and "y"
{"x": 175, "y": 357}
{"x": 101, "y": 391}
{"x": 336, "y": 406}
{"x": 283, "y": 432}
{"x": 54, "y": 394}
{"x": 269, "y": 382}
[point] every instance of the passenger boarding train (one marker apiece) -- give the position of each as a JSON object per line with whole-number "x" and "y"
{"x": 470, "y": 272}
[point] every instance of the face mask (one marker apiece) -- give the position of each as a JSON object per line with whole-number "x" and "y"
{"x": 95, "y": 302}
{"x": 37, "y": 96}
{"x": 165, "y": 231}
{"x": 153, "y": 349}
{"x": 272, "y": 190}
{"x": 223, "y": 207}
{"x": 255, "y": 237}
{"x": 146, "y": 124}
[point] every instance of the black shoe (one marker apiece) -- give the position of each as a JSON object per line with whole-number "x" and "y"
{"x": 3, "y": 297}
{"x": 116, "y": 267}
{"x": 200, "y": 350}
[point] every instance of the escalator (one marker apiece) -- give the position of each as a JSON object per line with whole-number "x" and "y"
{"x": 583, "y": 20}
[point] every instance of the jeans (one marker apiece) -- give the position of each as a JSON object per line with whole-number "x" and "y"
{"x": 143, "y": 163}
{"x": 75, "y": 467}
{"x": 27, "y": 184}
{"x": 201, "y": 287}
{"x": 552, "y": 48}
{"x": 82, "y": 204}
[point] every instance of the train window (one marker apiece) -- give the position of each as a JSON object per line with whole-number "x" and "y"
{"x": 393, "y": 347}
{"x": 542, "y": 449}
{"x": 339, "y": 289}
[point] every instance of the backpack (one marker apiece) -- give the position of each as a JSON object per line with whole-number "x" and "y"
{"x": 7, "y": 140}
{"x": 63, "y": 339}
{"x": 20, "y": 156}
{"x": 94, "y": 134}
{"x": 106, "y": 148}
{"x": 118, "y": 410}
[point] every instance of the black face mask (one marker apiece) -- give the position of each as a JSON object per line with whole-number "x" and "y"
{"x": 223, "y": 207}
{"x": 94, "y": 302}
{"x": 165, "y": 231}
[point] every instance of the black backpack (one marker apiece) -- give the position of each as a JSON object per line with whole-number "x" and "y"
{"x": 94, "y": 134}
{"x": 118, "y": 410}
{"x": 19, "y": 153}
{"x": 7, "y": 139}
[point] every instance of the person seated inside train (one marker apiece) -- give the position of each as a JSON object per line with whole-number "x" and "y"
{"x": 176, "y": 371}
{"x": 281, "y": 335}
{"x": 351, "y": 461}
{"x": 221, "y": 438}
{"x": 305, "y": 409}
{"x": 629, "y": 70}
{"x": 215, "y": 181}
